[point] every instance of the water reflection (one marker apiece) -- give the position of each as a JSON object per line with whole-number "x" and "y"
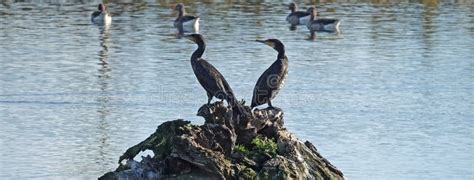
{"x": 400, "y": 78}
{"x": 104, "y": 43}
{"x": 292, "y": 27}
{"x": 313, "y": 34}
{"x": 103, "y": 99}
{"x": 428, "y": 28}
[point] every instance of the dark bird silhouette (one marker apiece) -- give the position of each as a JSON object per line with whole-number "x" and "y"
{"x": 185, "y": 22}
{"x": 101, "y": 16}
{"x": 210, "y": 78}
{"x": 297, "y": 17}
{"x": 322, "y": 24}
{"x": 271, "y": 81}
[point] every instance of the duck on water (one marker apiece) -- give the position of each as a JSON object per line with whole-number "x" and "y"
{"x": 297, "y": 17}
{"x": 101, "y": 16}
{"x": 322, "y": 24}
{"x": 184, "y": 22}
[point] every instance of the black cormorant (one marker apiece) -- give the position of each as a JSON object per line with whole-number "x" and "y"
{"x": 273, "y": 78}
{"x": 209, "y": 77}
{"x": 322, "y": 24}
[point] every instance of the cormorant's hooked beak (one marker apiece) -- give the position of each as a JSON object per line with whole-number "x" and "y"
{"x": 268, "y": 43}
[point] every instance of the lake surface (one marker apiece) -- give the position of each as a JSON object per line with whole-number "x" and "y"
{"x": 388, "y": 97}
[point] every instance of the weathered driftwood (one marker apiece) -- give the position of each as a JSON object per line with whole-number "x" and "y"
{"x": 185, "y": 151}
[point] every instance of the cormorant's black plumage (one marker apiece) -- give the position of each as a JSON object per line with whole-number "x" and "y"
{"x": 209, "y": 77}
{"x": 271, "y": 81}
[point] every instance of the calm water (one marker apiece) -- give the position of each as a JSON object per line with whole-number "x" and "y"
{"x": 389, "y": 97}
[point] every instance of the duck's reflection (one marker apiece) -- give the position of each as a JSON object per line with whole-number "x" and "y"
{"x": 292, "y": 27}
{"x": 313, "y": 34}
{"x": 103, "y": 98}
{"x": 104, "y": 43}
{"x": 429, "y": 26}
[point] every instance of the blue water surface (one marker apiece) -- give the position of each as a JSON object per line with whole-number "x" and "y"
{"x": 388, "y": 97}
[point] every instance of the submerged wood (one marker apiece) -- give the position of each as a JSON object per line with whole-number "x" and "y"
{"x": 185, "y": 151}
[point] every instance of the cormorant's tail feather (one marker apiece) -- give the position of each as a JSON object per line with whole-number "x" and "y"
{"x": 235, "y": 104}
{"x": 239, "y": 108}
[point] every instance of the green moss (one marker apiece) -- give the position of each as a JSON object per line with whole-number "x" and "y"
{"x": 247, "y": 173}
{"x": 260, "y": 146}
{"x": 263, "y": 145}
{"x": 241, "y": 149}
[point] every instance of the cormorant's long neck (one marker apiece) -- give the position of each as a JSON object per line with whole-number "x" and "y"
{"x": 281, "y": 53}
{"x": 199, "y": 51}
{"x": 311, "y": 16}
{"x": 293, "y": 9}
